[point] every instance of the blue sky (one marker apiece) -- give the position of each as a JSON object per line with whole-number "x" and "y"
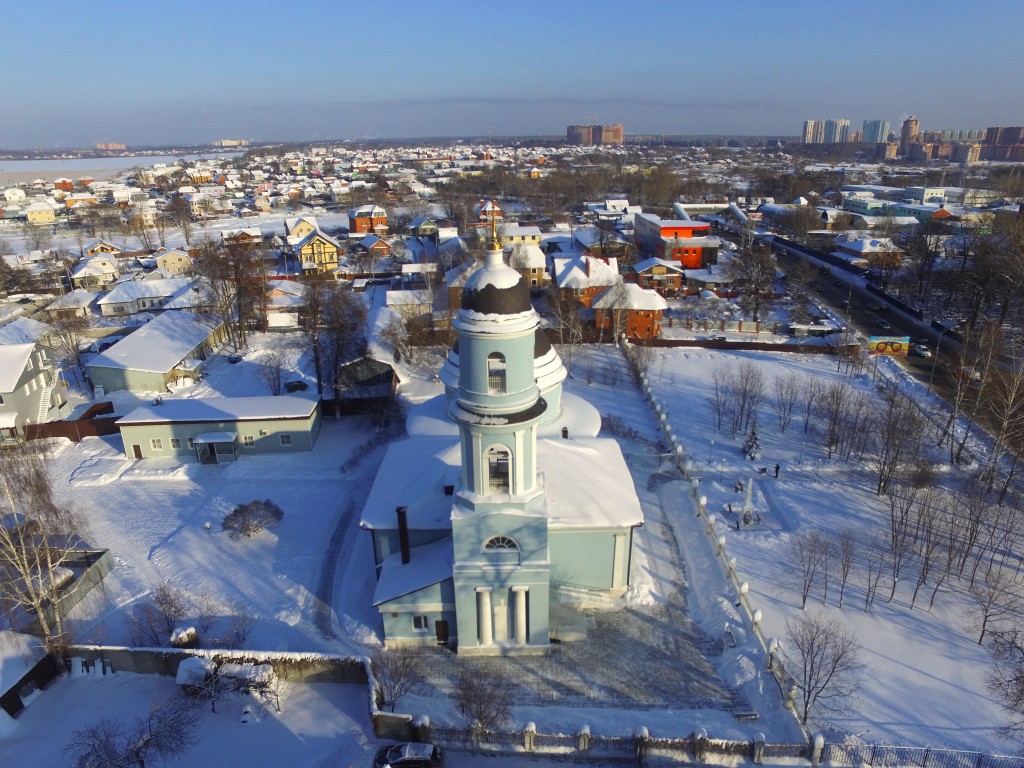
{"x": 191, "y": 71}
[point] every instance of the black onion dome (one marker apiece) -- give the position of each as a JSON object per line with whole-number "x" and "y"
{"x": 496, "y": 289}
{"x": 490, "y": 300}
{"x": 541, "y": 344}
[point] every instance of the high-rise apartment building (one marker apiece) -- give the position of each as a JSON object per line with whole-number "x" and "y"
{"x": 837, "y": 131}
{"x": 875, "y": 131}
{"x": 998, "y": 136}
{"x": 579, "y": 134}
{"x": 589, "y": 135}
{"x": 814, "y": 132}
{"x": 911, "y": 128}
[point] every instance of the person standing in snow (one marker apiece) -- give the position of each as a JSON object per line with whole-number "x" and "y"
{"x": 776, "y": 470}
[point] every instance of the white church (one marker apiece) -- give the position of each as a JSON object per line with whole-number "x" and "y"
{"x": 502, "y": 493}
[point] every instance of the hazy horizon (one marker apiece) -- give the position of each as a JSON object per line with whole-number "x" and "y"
{"x": 158, "y": 75}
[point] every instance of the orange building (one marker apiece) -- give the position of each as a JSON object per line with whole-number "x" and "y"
{"x": 367, "y": 218}
{"x": 682, "y": 241}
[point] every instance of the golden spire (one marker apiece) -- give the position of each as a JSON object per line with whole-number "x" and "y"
{"x": 495, "y": 243}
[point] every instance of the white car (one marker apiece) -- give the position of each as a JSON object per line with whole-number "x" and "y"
{"x": 920, "y": 350}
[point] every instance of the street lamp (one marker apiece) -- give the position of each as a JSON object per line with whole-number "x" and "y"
{"x": 711, "y": 448}
{"x": 935, "y": 360}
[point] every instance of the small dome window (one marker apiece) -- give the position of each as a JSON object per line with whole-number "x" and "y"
{"x": 501, "y": 544}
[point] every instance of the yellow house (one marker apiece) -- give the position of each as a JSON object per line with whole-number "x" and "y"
{"x": 40, "y": 213}
{"x": 318, "y": 252}
{"x": 102, "y": 247}
{"x": 298, "y": 228}
{"x": 173, "y": 261}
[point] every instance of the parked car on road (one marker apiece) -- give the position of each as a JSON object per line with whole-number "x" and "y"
{"x": 409, "y": 755}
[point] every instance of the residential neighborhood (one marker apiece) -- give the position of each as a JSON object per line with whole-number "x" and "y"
{"x": 374, "y": 404}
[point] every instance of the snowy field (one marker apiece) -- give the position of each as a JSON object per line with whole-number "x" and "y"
{"x": 925, "y": 673}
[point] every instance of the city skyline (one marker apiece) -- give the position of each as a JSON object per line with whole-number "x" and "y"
{"x": 148, "y": 74}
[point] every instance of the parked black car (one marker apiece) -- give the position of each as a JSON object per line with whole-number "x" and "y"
{"x": 409, "y": 755}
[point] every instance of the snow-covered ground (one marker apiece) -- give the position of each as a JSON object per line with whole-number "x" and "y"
{"x": 925, "y": 673}
{"x": 925, "y": 682}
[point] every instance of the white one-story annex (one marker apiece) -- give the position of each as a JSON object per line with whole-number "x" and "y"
{"x": 220, "y": 429}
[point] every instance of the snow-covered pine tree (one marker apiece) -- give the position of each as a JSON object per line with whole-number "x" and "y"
{"x": 752, "y": 445}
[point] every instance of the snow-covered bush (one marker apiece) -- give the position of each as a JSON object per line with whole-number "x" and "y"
{"x": 249, "y": 519}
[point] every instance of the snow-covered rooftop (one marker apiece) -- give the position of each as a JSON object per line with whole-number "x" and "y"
{"x": 159, "y": 345}
{"x": 13, "y": 359}
{"x": 23, "y": 330}
{"x": 221, "y": 409}
{"x": 576, "y": 494}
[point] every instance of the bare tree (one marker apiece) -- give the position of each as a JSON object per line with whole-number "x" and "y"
{"x": 811, "y": 392}
{"x": 824, "y": 661}
{"x": 995, "y": 599}
{"x": 164, "y": 734}
{"x": 902, "y": 499}
{"x": 834, "y": 401}
{"x": 570, "y": 326}
{"x": 218, "y": 288}
{"x": 37, "y": 542}
{"x": 808, "y": 551}
{"x": 38, "y": 235}
{"x": 747, "y": 393}
{"x": 398, "y": 670}
{"x": 252, "y": 517}
{"x": 786, "y": 393}
{"x": 154, "y": 619}
{"x": 927, "y": 540}
{"x": 181, "y": 214}
{"x": 241, "y": 625}
{"x": 272, "y": 373}
{"x": 343, "y": 336}
{"x": 67, "y": 331}
{"x": 719, "y": 399}
{"x": 874, "y": 567}
{"x": 847, "y": 550}
{"x": 484, "y": 697}
{"x": 754, "y": 271}
{"x": 1006, "y": 678}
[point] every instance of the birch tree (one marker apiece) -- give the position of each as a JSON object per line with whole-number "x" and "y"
{"x": 38, "y": 537}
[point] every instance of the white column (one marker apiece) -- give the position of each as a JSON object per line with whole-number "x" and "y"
{"x": 484, "y": 618}
{"x": 520, "y": 593}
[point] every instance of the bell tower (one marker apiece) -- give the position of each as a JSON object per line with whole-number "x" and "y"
{"x": 501, "y": 569}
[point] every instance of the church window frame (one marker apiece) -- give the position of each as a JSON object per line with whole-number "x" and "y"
{"x": 499, "y": 469}
{"x": 501, "y": 543}
{"x": 496, "y": 374}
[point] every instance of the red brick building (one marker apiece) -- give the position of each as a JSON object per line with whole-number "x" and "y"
{"x": 627, "y": 308}
{"x": 368, "y": 218}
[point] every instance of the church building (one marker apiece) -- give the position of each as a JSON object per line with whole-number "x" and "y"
{"x": 502, "y": 494}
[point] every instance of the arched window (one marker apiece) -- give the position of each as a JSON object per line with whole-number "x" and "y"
{"x": 496, "y": 373}
{"x": 498, "y": 463}
{"x": 501, "y": 544}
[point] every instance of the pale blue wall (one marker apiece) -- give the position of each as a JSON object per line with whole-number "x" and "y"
{"x": 583, "y": 558}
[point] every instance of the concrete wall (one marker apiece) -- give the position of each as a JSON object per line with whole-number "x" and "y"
{"x": 294, "y": 667}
